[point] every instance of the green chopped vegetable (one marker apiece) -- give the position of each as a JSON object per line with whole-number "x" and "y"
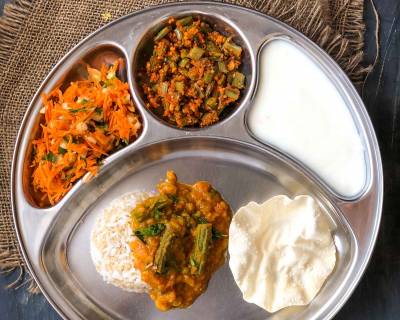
{"x": 232, "y": 93}
{"x": 61, "y": 150}
{"x": 202, "y": 241}
{"x": 222, "y": 67}
{"x": 158, "y": 206}
{"x": 178, "y": 34}
{"x": 238, "y": 80}
{"x": 50, "y": 157}
{"x": 183, "y": 62}
{"x": 233, "y": 48}
{"x": 102, "y": 125}
{"x": 199, "y": 90}
{"x": 164, "y": 87}
{"x": 83, "y": 109}
{"x": 200, "y": 219}
{"x": 210, "y": 88}
{"x": 208, "y": 76}
{"x": 196, "y": 53}
{"x": 217, "y": 235}
{"x": 162, "y": 253}
{"x": 185, "y": 21}
{"x": 212, "y": 102}
{"x": 214, "y": 51}
{"x": 163, "y": 32}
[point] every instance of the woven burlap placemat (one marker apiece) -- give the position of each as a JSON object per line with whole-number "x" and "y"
{"x": 34, "y": 35}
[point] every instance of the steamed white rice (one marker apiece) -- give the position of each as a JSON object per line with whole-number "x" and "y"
{"x": 109, "y": 244}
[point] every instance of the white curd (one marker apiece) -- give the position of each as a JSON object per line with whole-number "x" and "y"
{"x": 298, "y": 110}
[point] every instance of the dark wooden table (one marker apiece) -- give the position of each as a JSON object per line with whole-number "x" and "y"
{"x": 378, "y": 294}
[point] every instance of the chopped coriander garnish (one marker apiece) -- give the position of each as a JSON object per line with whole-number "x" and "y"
{"x": 201, "y": 220}
{"x": 61, "y": 150}
{"x": 50, "y": 157}
{"x": 77, "y": 110}
{"x": 150, "y": 231}
{"x": 216, "y": 234}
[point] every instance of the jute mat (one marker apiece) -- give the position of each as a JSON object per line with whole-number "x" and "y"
{"x": 34, "y": 35}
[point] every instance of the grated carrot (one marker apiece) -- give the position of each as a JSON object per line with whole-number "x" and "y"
{"x": 88, "y": 121}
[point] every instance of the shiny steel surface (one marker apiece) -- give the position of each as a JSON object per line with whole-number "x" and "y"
{"x": 55, "y": 241}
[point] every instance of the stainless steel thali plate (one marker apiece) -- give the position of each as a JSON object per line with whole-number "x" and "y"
{"x": 55, "y": 240}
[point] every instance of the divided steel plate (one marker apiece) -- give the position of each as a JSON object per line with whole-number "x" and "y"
{"x": 55, "y": 240}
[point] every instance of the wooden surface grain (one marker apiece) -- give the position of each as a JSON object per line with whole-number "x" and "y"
{"x": 378, "y": 294}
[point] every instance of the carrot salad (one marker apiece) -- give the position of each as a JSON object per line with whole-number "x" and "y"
{"x": 193, "y": 73}
{"x": 82, "y": 125}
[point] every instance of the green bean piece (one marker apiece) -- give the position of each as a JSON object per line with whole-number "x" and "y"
{"x": 233, "y": 48}
{"x": 208, "y": 76}
{"x": 211, "y": 46}
{"x": 180, "y": 87}
{"x": 163, "y": 32}
{"x": 198, "y": 258}
{"x": 238, "y": 80}
{"x": 178, "y": 34}
{"x": 196, "y": 53}
{"x": 212, "y": 102}
{"x": 216, "y": 55}
{"x": 213, "y": 50}
{"x": 232, "y": 93}
{"x": 183, "y": 62}
{"x": 185, "y": 21}
{"x": 199, "y": 90}
{"x": 210, "y": 88}
{"x": 162, "y": 253}
{"x": 222, "y": 67}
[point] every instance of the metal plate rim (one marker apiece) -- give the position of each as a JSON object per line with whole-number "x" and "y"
{"x": 54, "y": 69}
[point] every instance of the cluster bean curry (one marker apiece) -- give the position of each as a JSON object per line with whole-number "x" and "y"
{"x": 181, "y": 240}
{"x": 192, "y": 74}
